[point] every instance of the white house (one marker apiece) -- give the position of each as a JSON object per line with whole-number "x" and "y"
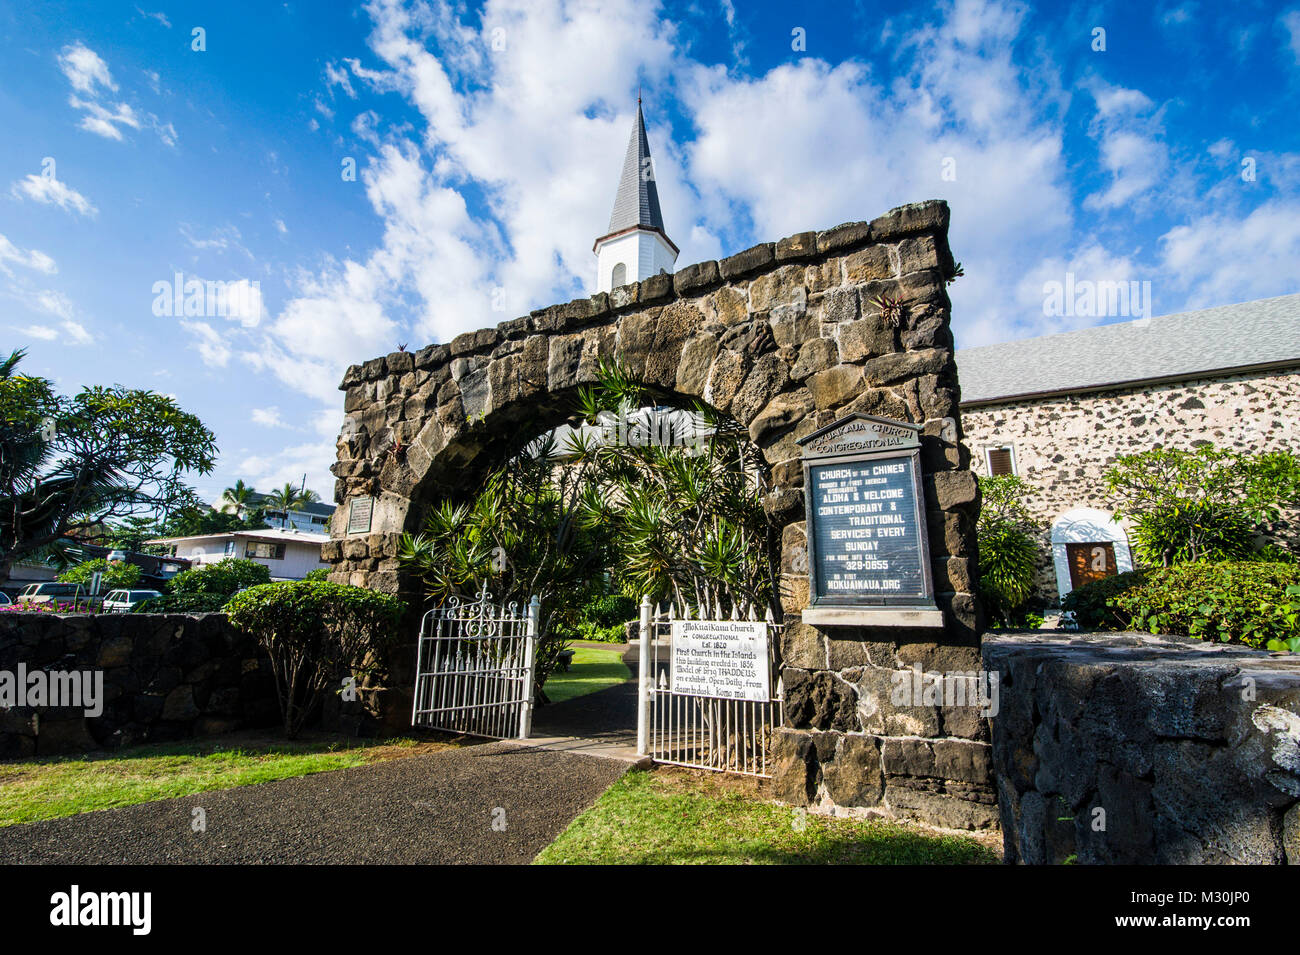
{"x": 636, "y": 245}
{"x": 289, "y": 554}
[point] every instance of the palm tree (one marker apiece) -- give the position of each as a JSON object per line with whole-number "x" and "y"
{"x": 308, "y": 496}
{"x": 239, "y": 497}
{"x": 283, "y": 500}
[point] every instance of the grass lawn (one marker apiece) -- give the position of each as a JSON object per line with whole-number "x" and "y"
{"x": 64, "y": 786}
{"x": 591, "y": 670}
{"x": 672, "y": 816}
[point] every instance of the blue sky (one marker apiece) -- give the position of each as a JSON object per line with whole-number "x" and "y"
{"x": 487, "y": 142}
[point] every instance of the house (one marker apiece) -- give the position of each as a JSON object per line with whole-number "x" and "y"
{"x": 314, "y": 517}
{"x": 289, "y": 553}
{"x": 1058, "y": 410}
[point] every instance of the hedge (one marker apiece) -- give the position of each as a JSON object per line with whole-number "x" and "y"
{"x": 1246, "y": 602}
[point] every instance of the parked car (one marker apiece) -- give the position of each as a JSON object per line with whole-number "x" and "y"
{"x": 51, "y": 592}
{"x": 124, "y": 601}
{"x": 4, "y": 598}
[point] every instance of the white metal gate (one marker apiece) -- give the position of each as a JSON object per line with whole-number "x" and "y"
{"x": 474, "y": 668}
{"x": 686, "y": 729}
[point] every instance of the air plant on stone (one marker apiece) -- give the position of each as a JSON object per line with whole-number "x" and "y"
{"x": 957, "y": 272}
{"x": 891, "y": 310}
{"x": 401, "y": 346}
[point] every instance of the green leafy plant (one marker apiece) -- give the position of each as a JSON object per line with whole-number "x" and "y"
{"x": 183, "y": 603}
{"x": 1092, "y": 604}
{"x": 222, "y": 578}
{"x": 1244, "y": 602}
{"x": 315, "y": 634}
{"x": 70, "y": 465}
{"x": 1008, "y": 555}
{"x": 1203, "y": 505}
{"x": 116, "y": 573}
{"x": 321, "y": 574}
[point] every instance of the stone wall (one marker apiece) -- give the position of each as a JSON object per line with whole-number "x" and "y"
{"x": 784, "y": 338}
{"x": 166, "y": 677}
{"x": 1137, "y": 749}
{"x": 1064, "y": 443}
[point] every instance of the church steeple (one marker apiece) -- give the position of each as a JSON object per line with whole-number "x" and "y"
{"x": 636, "y": 245}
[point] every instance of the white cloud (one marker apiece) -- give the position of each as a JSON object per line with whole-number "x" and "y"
{"x": 1290, "y": 22}
{"x": 1218, "y": 258}
{"x": 29, "y": 259}
{"x": 268, "y": 417}
{"x": 42, "y": 332}
{"x": 1130, "y": 142}
{"x": 88, "y": 74}
{"x": 160, "y": 17}
{"x": 212, "y": 347}
{"x": 51, "y": 191}
{"x": 288, "y": 466}
{"x": 85, "y": 69}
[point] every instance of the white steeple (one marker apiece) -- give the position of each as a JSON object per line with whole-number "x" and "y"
{"x": 636, "y": 245}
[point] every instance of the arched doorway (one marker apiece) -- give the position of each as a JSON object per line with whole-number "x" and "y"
{"x": 1087, "y": 545}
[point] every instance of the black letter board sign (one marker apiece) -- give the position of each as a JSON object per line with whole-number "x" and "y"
{"x": 868, "y": 553}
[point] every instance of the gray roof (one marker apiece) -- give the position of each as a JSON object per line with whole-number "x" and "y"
{"x": 1265, "y": 332}
{"x": 637, "y": 202}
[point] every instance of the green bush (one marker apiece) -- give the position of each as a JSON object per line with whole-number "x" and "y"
{"x": 610, "y": 610}
{"x": 117, "y": 574}
{"x": 223, "y": 578}
{"x": 320, "y": 574}
{"x": 315, "y": 634}
{"x": 1245, "y": 602}
{"x": 1091, "y": 602}
{"x": 182, "y": 603}
{"x": 1007, "y": 559}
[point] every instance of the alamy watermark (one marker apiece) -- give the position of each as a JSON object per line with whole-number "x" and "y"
{"x": 182, "y": 297}
{"x": 916, "y": 687}
{"x": 77, "y": 689}
{"x": 1096, "y": 299}
{"x": 75, "y": 907}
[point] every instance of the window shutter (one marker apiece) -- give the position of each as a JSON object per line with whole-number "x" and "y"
{"x": 999, "y": 461}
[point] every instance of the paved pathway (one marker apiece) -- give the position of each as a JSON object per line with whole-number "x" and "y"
{"x": 436, "y": 808}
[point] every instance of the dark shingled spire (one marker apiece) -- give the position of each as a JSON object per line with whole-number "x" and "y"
{"x": 637, "y": 202}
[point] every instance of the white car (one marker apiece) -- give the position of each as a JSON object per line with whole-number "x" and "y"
{"x": 52, "y": 592}
{"x": 124, "y": 601}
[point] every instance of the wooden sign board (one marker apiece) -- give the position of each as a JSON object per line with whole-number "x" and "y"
{"x": 868, "y": 549}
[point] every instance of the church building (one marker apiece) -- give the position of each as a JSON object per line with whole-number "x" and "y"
{"x": 1058, "y": 410}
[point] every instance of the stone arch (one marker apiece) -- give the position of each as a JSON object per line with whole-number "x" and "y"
{"x": 1086, "y": 525}
{"x": 785, "y": 337}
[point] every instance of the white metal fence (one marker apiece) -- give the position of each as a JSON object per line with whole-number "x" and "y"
{"x": 703, "y": 732}
{"x": 474, "y": 669}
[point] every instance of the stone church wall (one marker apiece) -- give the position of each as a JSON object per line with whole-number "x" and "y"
{"x": 1064, "y": 443}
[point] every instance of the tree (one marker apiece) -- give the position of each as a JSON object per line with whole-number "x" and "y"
{"x": 1007, "y": 553}
{"x": 116, "y": 573}
{"x": 284, "y": 500}
{"x": 680, "y": 496}
{"x": 315, "y": 633}
{"x": 100, "y": 456}
{"x": 679, "y": 517}
{"x": 237, "y": 497}
{"x": 222, "y": 578}
{"x": 1208, "y": 504}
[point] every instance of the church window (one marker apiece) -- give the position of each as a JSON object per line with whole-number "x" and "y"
{"x": 1000, "y": 460}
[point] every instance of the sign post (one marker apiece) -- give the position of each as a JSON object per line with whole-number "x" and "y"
{"x": 868, "y": 549}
